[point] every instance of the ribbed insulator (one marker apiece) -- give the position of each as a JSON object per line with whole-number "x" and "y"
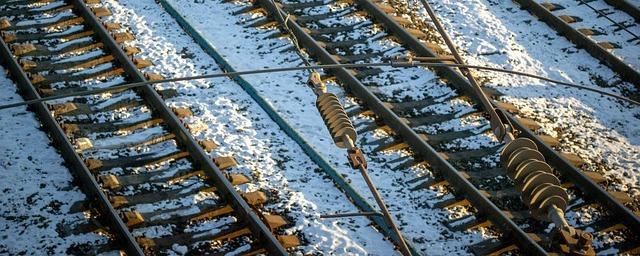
{"x": 539, "y": 188}
{"x": 335, "y": 118}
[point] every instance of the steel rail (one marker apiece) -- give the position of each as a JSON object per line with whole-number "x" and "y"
{"x": 627, "y": 7}
{"x": 568, "y": 170}
{"x": 601, "y": 13}
{"x": 259, "y": 230}
{"x": 616, "y": 64}
{"x": 358, "y": 200}
{"x": 77, "y": 166}
{"x": 421, "y": 147}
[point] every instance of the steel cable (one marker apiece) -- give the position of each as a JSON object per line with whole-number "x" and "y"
{"x": 312, "y": 67}
{"x": 283, "y": 21}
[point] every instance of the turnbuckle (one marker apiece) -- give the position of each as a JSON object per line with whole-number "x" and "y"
{"x": 356, "y": 158}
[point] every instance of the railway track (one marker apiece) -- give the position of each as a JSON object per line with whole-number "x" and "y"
{"x": 150, "y": 186}
{"x": 436, "y": 115}
{"x": 606, "y": 29}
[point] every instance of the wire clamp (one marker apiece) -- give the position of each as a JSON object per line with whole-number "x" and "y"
{"x": 356, "y": 158}
{"x": 315, "y": 82}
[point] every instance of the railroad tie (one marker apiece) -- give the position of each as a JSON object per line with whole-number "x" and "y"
{"x": 85, "y": 144}
{"x": 493, "y": 247}
{"x": 433, "y": 182}
{"x": 608, "y": 45}
{"x": 392, "y": 146}
{"x": 412, "y": 163}
{"x": 227, "y": 232}
{"x": 570, "y": 19}
{"x": 263, "y": 23}
{"x": 466, "y": 223}
{"x": 250, "y": 9}
{"x": 287, "y": 241}
{"x": 101, "y": 11}
{"x": 33, "y": 11}
{"x": 114, "y": 182}
{"x": 110, "y": 26}
{"x": 97, "y": 165}
{"x": 118, "y": 151}
{"x": 182, "y": 112}
{"x": 208, "y": 145}
{"x": 298, "y": 6}
{"x": 345, "y": 2}
{"x": 552, "y": 7}
{"x": 448, "y": 136}
{"x": 135, "y": 219}
{"x": 153, "y": 77}
{"x": 142, "y": 63}
{"x": 123, "y": 201}
{"x": 451, "y": 203}
{"x": 70, "y": 108}
{"x": 5, "y": 23}
{"x": 122, "y": 37}
{"x": 590, "y": 32}
{"x": 225, "y": 162}
{"x": 83, "y": 129}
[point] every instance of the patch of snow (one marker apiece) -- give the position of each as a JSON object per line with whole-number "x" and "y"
{"x": 602, "y": 131}
{"x": 36, "y": 189}
{"x": 227, "y": 115}
{"x": 288, "y": 94}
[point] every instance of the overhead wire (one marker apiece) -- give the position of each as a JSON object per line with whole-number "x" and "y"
{"x": 312, "y": 67}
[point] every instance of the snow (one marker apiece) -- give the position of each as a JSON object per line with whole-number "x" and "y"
{"x": 227, "y": 115}
{"x": 286, "y": 92}
{"x": 37, "y": 189}
{"x": 603, "y": 132}
{"x": 627, "y": 39}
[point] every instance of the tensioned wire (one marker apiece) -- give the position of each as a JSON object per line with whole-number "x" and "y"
{"x": 312, "y": 67}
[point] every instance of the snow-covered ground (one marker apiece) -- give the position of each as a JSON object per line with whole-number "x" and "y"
{"x": 626, "y": 41}
{"x": 604, "y": 132}
{"x": 224, "y": 113}
{"x": 37, "y": 189}
{"x": 251, "y": 48}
